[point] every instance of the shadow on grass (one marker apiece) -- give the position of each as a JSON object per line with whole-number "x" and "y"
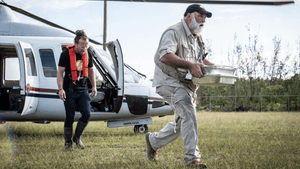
{"x": 24, "y": 132}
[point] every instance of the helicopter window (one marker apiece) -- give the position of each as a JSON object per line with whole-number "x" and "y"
{"x": 99, "y": 78}
{"x": 105, "y": 59}
{"x": 11, "y": 70}
{"x": 31, "y": 68}
{"x": 48, "y": 62}
{"x": 129, "y": 75}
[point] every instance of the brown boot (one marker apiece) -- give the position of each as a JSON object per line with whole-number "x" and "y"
{"x": 196, "y": 164}
{"x": 78, "y": 132}
{"x": 151, "y": 153}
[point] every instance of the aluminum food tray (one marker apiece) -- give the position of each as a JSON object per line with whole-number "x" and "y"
{"x": 216, "y": 75}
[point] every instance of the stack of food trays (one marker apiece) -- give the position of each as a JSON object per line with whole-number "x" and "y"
{"x": 216, "y": 75}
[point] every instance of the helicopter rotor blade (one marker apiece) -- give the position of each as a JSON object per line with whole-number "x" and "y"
{"x": 42, "y": 20}
{"x": 232, "y": 2}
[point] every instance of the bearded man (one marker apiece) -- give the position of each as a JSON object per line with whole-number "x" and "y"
{"x": 181, "y": 50}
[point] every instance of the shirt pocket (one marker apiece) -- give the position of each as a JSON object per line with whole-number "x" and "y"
{"x": 186, "y": 52}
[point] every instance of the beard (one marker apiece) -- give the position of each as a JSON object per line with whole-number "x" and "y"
{"x": 196, "y": 27}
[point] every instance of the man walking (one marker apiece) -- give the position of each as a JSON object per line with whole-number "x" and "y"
{"x": 77, "y": 65}
{"x": 181, "y": 50}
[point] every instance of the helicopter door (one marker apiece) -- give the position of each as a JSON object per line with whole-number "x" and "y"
{"x": 111, "y": 68}
{"x": 29, "y": 78}
{"x": 115, "y": 50}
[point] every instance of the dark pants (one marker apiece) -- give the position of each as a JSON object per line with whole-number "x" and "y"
{"x": 83, "y": 100}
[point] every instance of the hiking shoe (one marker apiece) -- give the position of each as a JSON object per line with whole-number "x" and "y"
{"x": 151, "y": 153}
{"x": 196, "y": 164}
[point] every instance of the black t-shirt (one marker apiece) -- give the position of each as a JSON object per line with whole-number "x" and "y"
{"x": 64, "y": 61}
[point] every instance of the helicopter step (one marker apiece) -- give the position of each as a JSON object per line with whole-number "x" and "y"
{"x": 140, "y": 125}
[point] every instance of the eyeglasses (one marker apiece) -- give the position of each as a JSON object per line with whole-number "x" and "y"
{"x": 84, "y": 47}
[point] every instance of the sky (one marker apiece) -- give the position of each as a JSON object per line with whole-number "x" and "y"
{"x": 139, "y": 25}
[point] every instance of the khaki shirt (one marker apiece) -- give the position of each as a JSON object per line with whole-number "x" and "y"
{"x": 169, "y": 44}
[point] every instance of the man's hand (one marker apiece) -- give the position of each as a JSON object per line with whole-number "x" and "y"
{"x": 195, "y": 69}
{"x": 173, "y": 60}
{"x": 94, "y": 92}
{"x": 93, "y": 81}
{"x": 62, "y": 95}
{"x": 60, "y": 81}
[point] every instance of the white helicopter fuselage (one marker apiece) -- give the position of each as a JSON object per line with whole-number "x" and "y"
{"x": 29, "y": 56}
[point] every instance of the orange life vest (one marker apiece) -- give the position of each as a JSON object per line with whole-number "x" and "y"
{"x": 85, "y": 58}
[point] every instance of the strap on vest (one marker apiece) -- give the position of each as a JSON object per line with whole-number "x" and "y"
{"x": 72, "y": 55}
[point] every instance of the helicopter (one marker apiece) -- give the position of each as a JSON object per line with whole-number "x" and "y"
{"x": 29, "y": 56}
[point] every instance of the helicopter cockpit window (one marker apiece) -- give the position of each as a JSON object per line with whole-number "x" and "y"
{"x": 99, "y": 78}
{"x": 31, "y": 68}
{"x": 48, "y": 62}
{"x": 129, "y": 75}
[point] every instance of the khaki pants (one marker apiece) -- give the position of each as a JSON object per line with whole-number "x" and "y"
{"x": 184, "y": 124}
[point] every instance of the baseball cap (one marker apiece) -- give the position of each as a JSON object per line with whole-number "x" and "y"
{"x": 197, "y": 8}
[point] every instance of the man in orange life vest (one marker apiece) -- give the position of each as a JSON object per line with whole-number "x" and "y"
{"x": 77, "y": 64}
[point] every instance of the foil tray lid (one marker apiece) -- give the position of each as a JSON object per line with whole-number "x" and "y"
{"x": 214, "y": 80}
{"x": 220, "y": 67}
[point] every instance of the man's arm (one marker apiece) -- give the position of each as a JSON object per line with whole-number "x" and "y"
{"x": 173, "y": 60}
{"x": 93, "y": 81}
{"x": 60, "y": 81}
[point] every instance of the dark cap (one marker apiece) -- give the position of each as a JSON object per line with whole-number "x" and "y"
{"x": 197, "y": 8}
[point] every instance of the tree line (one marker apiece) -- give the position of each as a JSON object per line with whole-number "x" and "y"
{"x": 275, "y": 77}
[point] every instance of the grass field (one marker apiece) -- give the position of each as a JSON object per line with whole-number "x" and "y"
{"x": 226, "y": 140}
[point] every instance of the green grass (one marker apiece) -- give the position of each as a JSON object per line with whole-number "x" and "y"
{"x": 226, "y": 140}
